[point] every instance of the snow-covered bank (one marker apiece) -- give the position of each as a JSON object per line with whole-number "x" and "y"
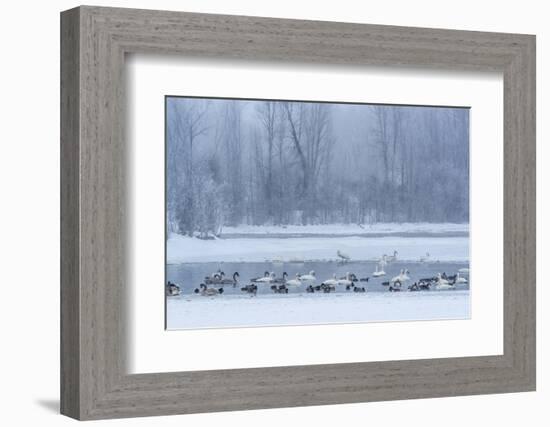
{"x": 191, "y": 312}
{"x": 349, "y": 229}
{"x": 181, "y": 249}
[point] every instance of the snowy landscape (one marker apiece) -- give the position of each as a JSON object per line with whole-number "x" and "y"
{"x": 294, "y": 213}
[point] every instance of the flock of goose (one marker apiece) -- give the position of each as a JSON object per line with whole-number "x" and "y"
{"x": 213, "y": 284}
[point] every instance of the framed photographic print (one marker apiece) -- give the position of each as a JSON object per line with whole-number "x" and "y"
{"x": 302, "y": 199}
{"x": 304, "y": 212}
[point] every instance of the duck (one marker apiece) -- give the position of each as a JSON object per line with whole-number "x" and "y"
{"x": 378, "y": 273}
{"x": 207, "y": 292}
{"x": 308, "y": 277}
{"x": 359, "y": 289}
{"x": 310, "y": 289}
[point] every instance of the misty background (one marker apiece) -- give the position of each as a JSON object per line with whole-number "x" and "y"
{"x": 234, "y": 162}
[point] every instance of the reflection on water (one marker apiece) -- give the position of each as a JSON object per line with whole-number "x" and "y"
{"x": 190, "y": 275}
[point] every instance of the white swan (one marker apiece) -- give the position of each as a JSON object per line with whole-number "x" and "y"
{"x": 344, "y": 257}
{"x": 401, "y": 278}
{"x": 378, "y": 273}
{"x": 331, "y": 282}
{"x": 442, "y": 283}
{"x": 390, "y": 258}
{"x": 346, "y": 281}
{"x": 383, "y": 261}
{"x": 308, "y": 277}
{"x": 270, "y": 278}
{"x": 294, "y": 282}
{"x": 460, "y": 279}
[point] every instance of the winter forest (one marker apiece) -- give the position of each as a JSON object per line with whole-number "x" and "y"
{"x": 248, "y": 162}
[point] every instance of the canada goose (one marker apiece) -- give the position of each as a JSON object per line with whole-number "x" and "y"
{"x": 308, "y": 277}
{"x": 172, "y": 289}
{"x": 217, "y": 275}
{"x": 414, "y": 287}
{"x": 250, "y": 289}
{"x": 364, "y": 279}
{"x": 233, "y": 281}
{"x": 310, "y": 289}
{"x": 378, "y": 273}
{"x": 214, "y": 278}
{"x": 207, "y": 292}
{"x": 281, "y": 289}
{"x": 327, "y": 287}
{"x": 220, "y": 279}
{"x": 350, "y": 276}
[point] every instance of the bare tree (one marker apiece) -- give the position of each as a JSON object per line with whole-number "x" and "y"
{"x": 273, "y": 162}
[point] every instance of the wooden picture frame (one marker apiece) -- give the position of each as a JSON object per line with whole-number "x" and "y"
{"x": 94, "y": 382}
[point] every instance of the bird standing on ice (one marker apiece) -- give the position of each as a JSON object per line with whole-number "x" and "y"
{"x": 343, "y": 257}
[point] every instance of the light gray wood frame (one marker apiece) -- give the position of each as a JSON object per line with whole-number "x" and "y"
{"x": 94, "y": 41}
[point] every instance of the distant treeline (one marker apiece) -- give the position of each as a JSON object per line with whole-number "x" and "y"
{"x": 232, "y": 162}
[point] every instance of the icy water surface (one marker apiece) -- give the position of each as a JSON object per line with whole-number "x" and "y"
{"x": 190, "y": 276}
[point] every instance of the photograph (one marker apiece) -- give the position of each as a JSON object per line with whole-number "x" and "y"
{"x": 300, "y": 212}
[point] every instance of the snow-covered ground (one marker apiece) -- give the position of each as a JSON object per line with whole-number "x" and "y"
{"x": 349, "y": 229}
{"x": 192, "y": 312}
{"x": 181, "y": 249}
